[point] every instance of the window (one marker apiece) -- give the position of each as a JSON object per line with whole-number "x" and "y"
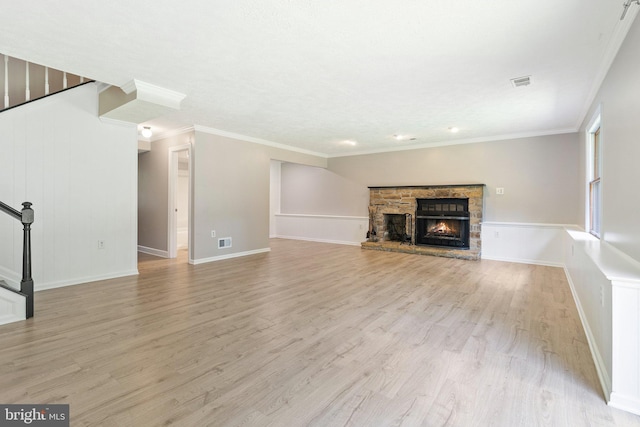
{"x": 595, "y": 185}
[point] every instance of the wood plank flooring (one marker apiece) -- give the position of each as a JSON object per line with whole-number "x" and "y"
{"x": 311, "y": 334}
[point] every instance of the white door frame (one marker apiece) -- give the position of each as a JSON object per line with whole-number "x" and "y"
{"x": 172, "y": 237}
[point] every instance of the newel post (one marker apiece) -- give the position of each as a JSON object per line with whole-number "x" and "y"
{"x": 26, "y": 284}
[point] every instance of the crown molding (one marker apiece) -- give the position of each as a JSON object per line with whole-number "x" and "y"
{"x": 494, "y": 138}
{"x": 615, "y": 42}
{"x": 117, "y": 122}
{"x": 154, "y": 94}
{"x": 171, "y": 132}
{"x": 219, "y": 132}
{"x": 129, "y": 87}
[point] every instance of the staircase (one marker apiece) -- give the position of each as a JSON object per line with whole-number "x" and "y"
{"x": 13, "y": 304}
{"x": 18, "y": 304}
{"x": 25, "y": 81}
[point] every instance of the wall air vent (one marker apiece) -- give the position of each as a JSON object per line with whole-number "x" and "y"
{"x": 521, "y": 81}
{"x": 224, "y": 243}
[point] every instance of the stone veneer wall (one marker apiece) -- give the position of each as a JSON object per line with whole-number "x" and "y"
{"x": 402, "y": 200}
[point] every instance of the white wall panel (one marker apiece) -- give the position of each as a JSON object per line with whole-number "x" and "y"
{"x": 275, "y": 178}
{"x": 525, "y": 243}
{"x": 347, "y": 230}
{"x": 606, "y": 287}
{"x": 588, "y": 286}
{"x": 626, "y": 345}
{"x": 12, "y": 307}
{"x": 80, "y": 174}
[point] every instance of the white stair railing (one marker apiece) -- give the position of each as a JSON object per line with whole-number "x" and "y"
{"x": 27, "y": 92}
{"x": 25, "y": 81}
{"x": 6, "y": 81}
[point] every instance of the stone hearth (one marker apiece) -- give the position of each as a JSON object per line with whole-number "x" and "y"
{"x": 403, "y": 200}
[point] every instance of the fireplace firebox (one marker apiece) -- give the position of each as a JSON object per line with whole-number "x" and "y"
{"x": 443, "y": 222}
{"x": 396, "y": 227}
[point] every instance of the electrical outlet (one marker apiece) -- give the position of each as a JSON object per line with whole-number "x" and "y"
{"x": 500, "y": 191}
{"x": 496, "y": 234}
{"x": 213, "y": 233}
{"x": 100, "y": 244}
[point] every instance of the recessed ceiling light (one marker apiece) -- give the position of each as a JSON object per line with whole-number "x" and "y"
{"x": 398, "y": 137}
{"x": 453, "y": 129}
{"x": 349, "y": 142}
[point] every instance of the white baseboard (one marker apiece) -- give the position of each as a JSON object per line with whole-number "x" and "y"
{"x": 152, "y": 251}
{"x": 82, "y": 280}
{"x": 228, "y": 256}
{"x": 6, "y": 319}
{"x": 625, "y": 403}
{"x": 524, "y": 261}
{"x": 41, "y": 286}
{"x": 310, "y": 239}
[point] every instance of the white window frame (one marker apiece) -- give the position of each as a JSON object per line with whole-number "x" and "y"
{"x": 594, "y": 213}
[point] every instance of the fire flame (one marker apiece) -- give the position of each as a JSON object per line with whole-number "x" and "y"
{"x": 441, "y": 228}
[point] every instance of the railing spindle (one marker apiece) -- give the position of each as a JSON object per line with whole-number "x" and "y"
{"x": 46, "y": 80}
{"x": 48, "y": 87}
{"x": 27, "y": 90}
{"x": 6, "y": 81}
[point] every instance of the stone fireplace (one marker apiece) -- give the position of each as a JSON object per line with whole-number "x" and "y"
{"x": 442, "y": 220}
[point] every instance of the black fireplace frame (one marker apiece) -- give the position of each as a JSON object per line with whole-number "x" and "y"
{"x": 443, "y": 209}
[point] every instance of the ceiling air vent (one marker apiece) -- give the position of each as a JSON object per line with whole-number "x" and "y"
{"x": 521, "y": 81}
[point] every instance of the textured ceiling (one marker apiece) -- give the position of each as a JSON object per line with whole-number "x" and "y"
{"x": 312, "y": 74}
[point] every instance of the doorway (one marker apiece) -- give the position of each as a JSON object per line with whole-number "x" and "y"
{"x": 179, "y": 215}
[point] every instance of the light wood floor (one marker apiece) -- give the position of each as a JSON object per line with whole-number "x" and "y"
{"x": 311, "y": 334}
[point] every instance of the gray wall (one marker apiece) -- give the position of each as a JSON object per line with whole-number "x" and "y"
{"x": 230, "y": 192}
{"x": 619, "y": 97}
{"x": 313, "y": 190}
{"x": 539, "y": 175}
{"x": 231, "y": 195}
